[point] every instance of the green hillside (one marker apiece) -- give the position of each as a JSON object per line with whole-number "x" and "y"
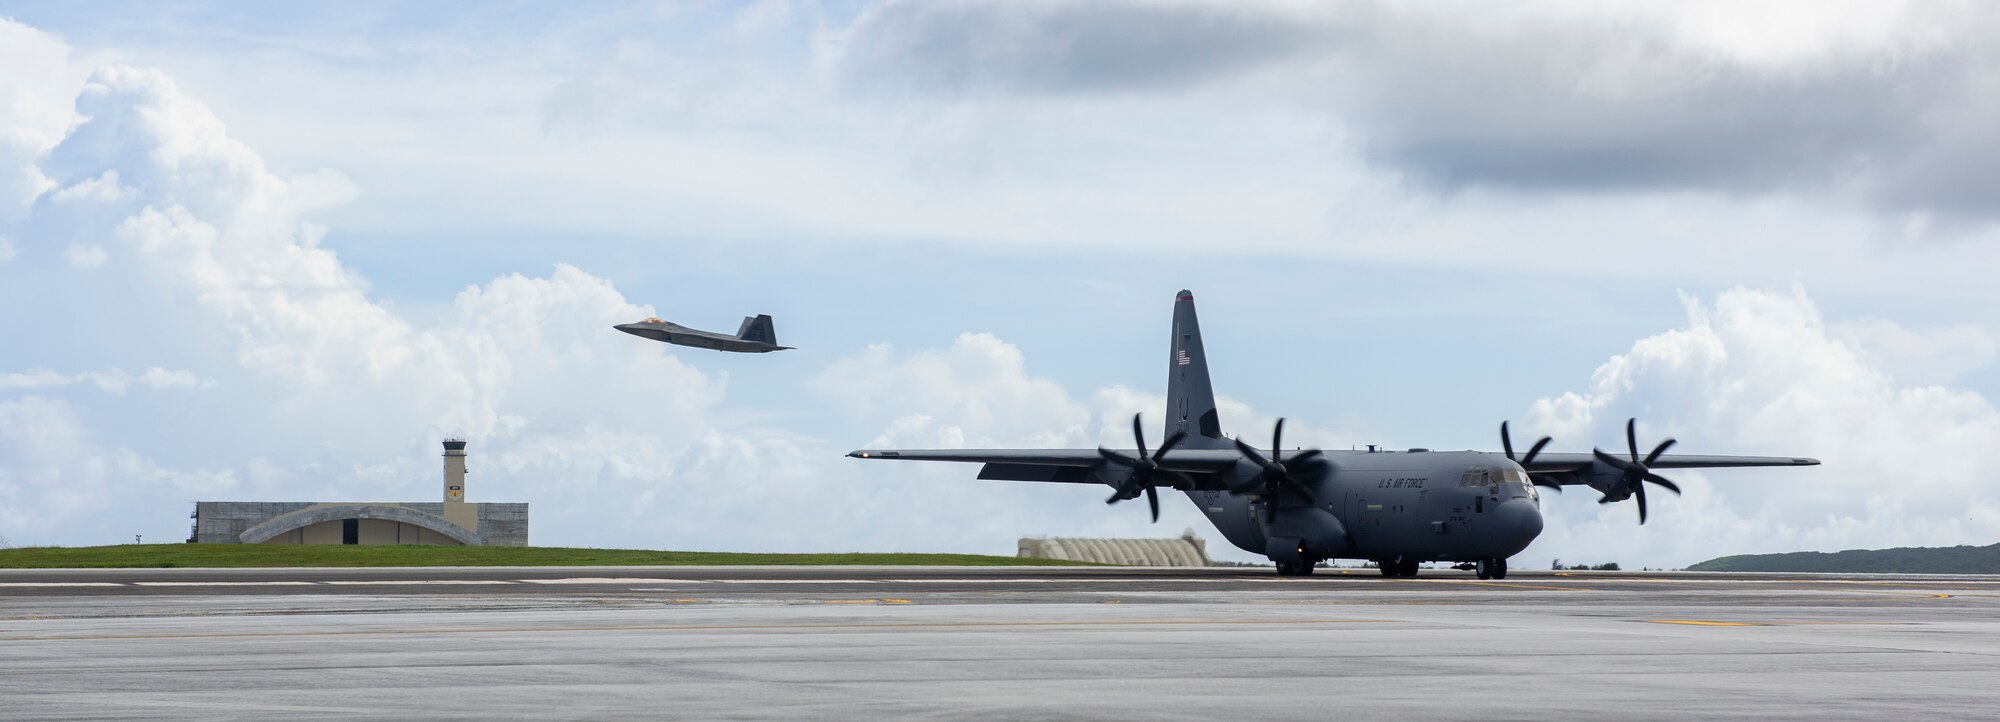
{"x": 290, "y": 555}
{"x": 1905, "y": 560}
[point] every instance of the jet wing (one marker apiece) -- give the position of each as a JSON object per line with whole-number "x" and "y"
{"x": 1070, "y": 466}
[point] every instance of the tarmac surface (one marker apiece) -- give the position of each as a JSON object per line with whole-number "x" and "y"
{"x": 999, "y": 643}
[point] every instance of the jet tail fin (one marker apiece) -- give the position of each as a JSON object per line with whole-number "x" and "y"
{"x": 757, "y": 328}
{"x": 1190, "y": 399}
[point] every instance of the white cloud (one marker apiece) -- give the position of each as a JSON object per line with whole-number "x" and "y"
{"x": 116, "y": 381}
{"x": 86, "y": 256}
{"x": 59, "y": 481}
{"x": 1762, "y": 373}
{"x": 34, "y": 95}
{"x": 1919, "y": 357}
{"x": 7, "y": 251}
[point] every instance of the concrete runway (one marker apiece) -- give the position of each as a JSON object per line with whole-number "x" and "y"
{"x": 1004, "y": 643}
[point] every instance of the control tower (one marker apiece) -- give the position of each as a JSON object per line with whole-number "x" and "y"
{"x": 454, "y": 471}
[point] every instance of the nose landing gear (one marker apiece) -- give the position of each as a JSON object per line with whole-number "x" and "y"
{"x": 1303, "y": 567}
{"x": 1490, "y": 568}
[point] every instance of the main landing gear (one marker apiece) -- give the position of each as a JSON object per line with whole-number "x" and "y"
{"x": 1490, "y": 568}
{"x": 1404, "y": 567}
{"x": 1299, "y": 568}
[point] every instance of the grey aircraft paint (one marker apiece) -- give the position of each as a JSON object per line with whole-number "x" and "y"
{"x": 1299, "y": 507}
{"x": 754, "y": 336}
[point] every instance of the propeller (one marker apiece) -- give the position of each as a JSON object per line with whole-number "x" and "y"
{"x": 1276, "y": 475}
{"x": 1143, "y": 467}
{"x": 1635, "y": 470}
{"x": 1528, "y": 458}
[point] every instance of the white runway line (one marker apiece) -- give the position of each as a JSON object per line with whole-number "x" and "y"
{"x": 412, "y": 582}
{"x": 225, "y": 584}
{"x": 792, "y": 581}
{"x": 612, "y": 580}
{"x": 60, "y": 584}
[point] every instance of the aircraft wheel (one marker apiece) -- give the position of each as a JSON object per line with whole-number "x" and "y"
{"x": 1483, "y": 567}
{"x": 1499, "y": 569}
{"x": 1287, "y": 569}
{"x": 1306, "y": 567}
{"x": 1389, "y": 567}
{"x": 1410, "y": 567}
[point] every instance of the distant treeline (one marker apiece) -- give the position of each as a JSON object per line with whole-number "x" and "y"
{"x": 1905, "y": 560}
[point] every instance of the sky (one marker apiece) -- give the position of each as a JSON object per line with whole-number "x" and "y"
{"x": 258, "y": 252}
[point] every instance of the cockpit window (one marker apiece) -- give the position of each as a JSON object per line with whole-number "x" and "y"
{"x": 1474, "y": 476}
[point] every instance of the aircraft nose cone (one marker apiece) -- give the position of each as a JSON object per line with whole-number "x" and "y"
{"x": 1516, "y": 523}
{"x": 642, "y": 330}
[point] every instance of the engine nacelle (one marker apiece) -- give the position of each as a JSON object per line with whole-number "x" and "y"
{"x": 1607, "y": 480}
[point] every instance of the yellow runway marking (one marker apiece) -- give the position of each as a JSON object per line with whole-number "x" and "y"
{"x": 719, "y": 628}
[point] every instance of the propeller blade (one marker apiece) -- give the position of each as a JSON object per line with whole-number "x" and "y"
{"x": 1251, "y": 452}
{"x": 1173, "y": 440}
{"x": 1662, "y": 481}
{"x": 1632, "y": 437}
{"x": 1298, "y": 487}
{"x": 1153, "y": 500}
{"x": 1506, "y": 444}
{"x": 1640, "y": 493}
{"x": 1658, "y": 450}
{"x": 1532, "y": 451}
{"x": 1538, "y": 481}
{"x": 1139, "y": 435}
{"x": 1277, "y": 437}
{"x": 1307, "y": 455}
{"x": 1116, "y": 457}
{"x": 1614, "y": 461}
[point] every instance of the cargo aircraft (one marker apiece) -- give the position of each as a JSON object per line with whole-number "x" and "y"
{"x": 1396, "y": 508}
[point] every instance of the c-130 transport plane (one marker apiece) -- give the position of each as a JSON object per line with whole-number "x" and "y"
{"x": 1396, "y": 508}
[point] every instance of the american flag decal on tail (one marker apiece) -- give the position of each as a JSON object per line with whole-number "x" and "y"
{"x": 1180, "y": 357}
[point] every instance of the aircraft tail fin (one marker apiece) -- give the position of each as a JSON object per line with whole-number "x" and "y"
{"x": 757, "y": 328}
{"x": 1190, "y": 398}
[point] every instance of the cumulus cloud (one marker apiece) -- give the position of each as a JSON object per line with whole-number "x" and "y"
{"x": 116, "y": 381}
{"x": 983, "y": 46}
{"x": 521, "y": 363}
{"x": 60, "y": 481}
{"x": 1886, "y": 103}
{"x": 33, "y": 112}
{"x": 1762, "y": 372}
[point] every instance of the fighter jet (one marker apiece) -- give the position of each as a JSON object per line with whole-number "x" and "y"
{"x": 755, "y": 336}
{"x": 1298, "y": 507}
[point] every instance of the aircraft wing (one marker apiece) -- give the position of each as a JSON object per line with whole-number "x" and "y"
{"x": 1070, "y": 466}
{"x": 1563, "y": 466}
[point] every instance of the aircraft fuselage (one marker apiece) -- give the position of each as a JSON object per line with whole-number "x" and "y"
{"x": 1457, "y": 506}
{"x": 673, "y": 333}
